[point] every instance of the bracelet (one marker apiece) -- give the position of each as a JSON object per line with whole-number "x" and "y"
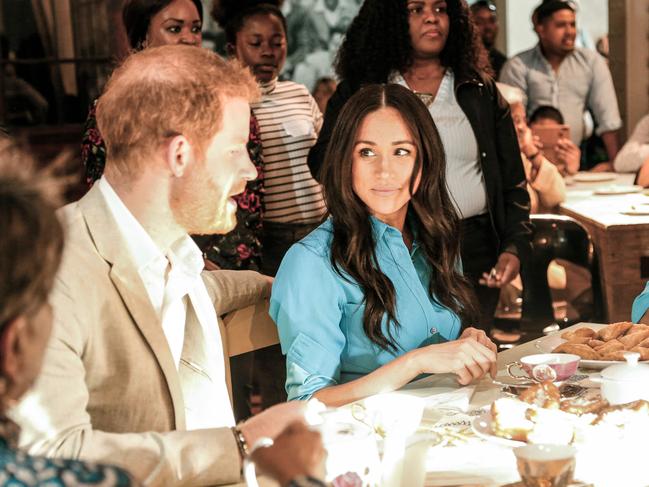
{"x": 242, "y": 444}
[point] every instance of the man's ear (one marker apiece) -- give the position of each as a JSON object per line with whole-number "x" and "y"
{"x": 179, "y": 155}
{"x": 11, "y": 346}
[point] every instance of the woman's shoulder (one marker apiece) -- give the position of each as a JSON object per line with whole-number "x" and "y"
{"x": 319, "y": 240}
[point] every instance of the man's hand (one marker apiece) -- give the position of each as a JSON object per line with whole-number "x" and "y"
{"x": 296, "y": 451}
{"x": 272, "y": 421}
{"x": 503, "y": 273}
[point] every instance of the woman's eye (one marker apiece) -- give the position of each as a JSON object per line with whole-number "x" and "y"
{"x": 196, "y": 29}
{"x": 415, "y": 10}
{"x": 440, "y": 10}
{"x": 366, "y": 152}
{"x": 401, "y": 152}
{"x": 174, "y": 29}
{"x": 254, "y": 44}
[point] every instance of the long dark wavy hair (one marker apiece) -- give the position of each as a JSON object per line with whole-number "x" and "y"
{"x": 353, "y": 249}
{"x": 378, "y": 43}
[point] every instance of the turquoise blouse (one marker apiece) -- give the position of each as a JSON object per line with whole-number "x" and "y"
{"x": 640, "y": 304}
{"x": 320, "y": 315}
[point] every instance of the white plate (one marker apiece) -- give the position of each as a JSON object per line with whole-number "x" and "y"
{"x": 594, "y": 177}
{"x": 481, "y": 426}
{"x": 618, "y": 189}
{"x": 549, "y": 343}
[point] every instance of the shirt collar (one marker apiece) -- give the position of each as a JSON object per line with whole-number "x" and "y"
{"x": 379, "y": 229}
{"x": 183, "y": 254}
{"x": 268, "y": 88}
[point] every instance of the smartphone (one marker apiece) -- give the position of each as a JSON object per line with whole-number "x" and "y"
{"x": 549, "y": 136}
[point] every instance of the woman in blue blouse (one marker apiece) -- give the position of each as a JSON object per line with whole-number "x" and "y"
{"x": 374, "y": 296}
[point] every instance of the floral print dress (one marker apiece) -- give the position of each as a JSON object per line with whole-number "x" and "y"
{"x": 240, "y": 249}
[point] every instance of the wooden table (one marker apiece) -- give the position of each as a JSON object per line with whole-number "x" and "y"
{"x": 621, "y": 241}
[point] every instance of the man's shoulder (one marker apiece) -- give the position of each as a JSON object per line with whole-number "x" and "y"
{"x": 525, "y": 57}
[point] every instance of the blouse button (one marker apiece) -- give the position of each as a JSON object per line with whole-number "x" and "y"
{"x": 433, "y": 331}
{"x": 484, "y": 154}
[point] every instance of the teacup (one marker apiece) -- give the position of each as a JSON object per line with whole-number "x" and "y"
{"x": 545, "y": 465}
{"x": 545, "y": 366}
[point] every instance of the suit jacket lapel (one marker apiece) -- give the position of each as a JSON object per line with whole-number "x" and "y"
{"x": 110, "y": 245}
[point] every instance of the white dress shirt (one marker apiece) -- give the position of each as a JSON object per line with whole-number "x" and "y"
{"x": 636, "y": 150}
{"x": 171, "y": 278}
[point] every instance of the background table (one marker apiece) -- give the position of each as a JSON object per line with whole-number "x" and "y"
{"x": 621, "y": 241}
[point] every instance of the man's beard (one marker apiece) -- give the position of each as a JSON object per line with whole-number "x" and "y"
{"x": 200, "y": 206}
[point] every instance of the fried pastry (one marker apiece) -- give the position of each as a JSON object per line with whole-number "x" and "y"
{"x": 580, "y": 406}
{"x": 630, "y": 340}
{"x": 594, "y": 343}
{"x": 584, "y": 351}
{"x": 637, "y": 327}
{"x": 643, "y": 343}
{"x": 610, "y": 346}
{"x": 614, "y": 330}
{"x": 579, "y": 332}
{"x": 617, "y": 355}
{"x": 579, "y": 339}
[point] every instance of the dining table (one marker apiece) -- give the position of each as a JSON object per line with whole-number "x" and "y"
{"x": 462, "y": 457}
{"x": 616, "y": 215}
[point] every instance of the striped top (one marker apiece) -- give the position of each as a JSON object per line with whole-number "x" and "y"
{"x": 289, "y": 121}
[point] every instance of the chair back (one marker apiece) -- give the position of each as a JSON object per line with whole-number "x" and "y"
{"x": 556, "y": 237}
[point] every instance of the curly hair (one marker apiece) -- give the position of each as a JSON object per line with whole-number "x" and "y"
{"x": 232, "y": 14}
{"x": 380, "y": 36}
{"x": 353, "y": 248}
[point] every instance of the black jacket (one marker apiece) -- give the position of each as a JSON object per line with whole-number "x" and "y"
{"x": 490, "y": 118}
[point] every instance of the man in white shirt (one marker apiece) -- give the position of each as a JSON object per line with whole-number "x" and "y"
{"x": 136, "y": 372}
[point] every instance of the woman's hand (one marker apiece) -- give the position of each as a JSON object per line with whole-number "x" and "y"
{"x": 504, "y": 272}
{"x": 481, "y": 337}
{"x": 465, "y": 357}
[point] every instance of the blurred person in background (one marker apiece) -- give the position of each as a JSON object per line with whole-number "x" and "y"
{"x": 545, "y": 184}
{"x": 565, "y": 154}
{"x": 485, "y": 17}
{"x": 557, "y": 73}
{"x": 634, "y": 155}
{"x": 324, "y": 88}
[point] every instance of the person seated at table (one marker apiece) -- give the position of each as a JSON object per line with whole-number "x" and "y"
{"x": 375, "y": 296}
{"x": 136, "y": 371}
{"x": 545, "y": 185}
{"x": 565, "y": 153}
{"x": 634, "y": 155}
{"x": 30, "y": 232}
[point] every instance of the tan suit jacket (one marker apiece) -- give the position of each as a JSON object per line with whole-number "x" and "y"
{"x": 110, "y": 390}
